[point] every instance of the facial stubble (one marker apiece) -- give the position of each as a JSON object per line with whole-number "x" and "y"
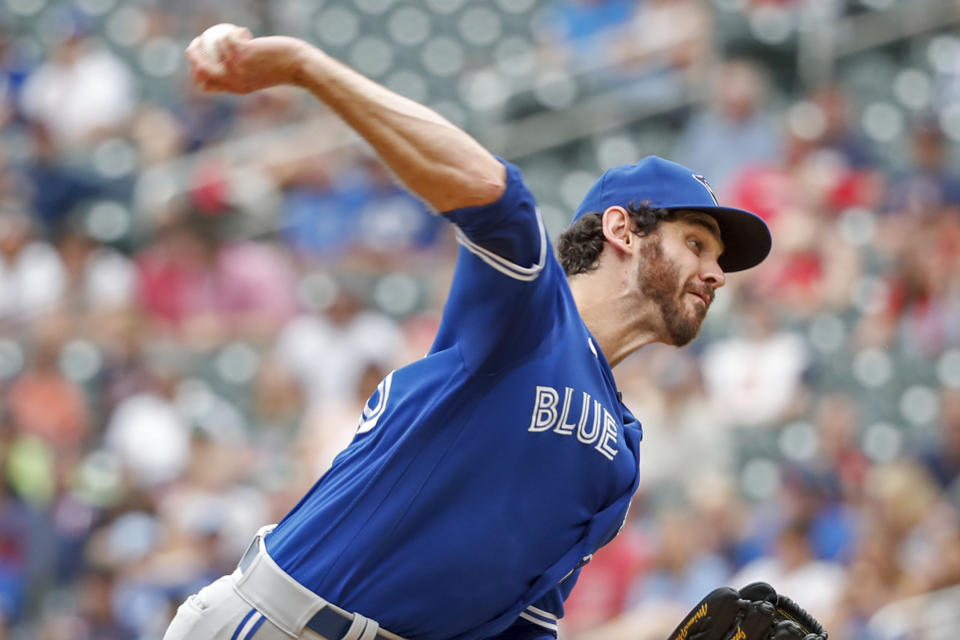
{"x": 660, "y": 282}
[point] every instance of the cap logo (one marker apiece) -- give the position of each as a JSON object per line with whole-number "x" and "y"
{"x": 699, "y": 178}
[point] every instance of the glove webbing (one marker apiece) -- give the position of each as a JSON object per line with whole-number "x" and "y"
{"x": 792, "y": 611}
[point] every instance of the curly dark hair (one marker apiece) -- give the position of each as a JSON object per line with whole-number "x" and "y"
{"x": 580, "y": 244}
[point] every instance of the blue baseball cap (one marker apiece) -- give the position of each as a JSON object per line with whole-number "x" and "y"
{"x": 663, "y": 184}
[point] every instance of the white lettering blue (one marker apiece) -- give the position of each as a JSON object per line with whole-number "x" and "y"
{"x": 563, "y": 428}
{"x": 549, "y": 413}
{"x": 544, "y": 409}
{"x": 609, "y": 434}
{"x": 588, "y": 437}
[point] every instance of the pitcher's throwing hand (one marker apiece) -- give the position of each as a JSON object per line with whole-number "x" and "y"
{"x": 236, "y": 62}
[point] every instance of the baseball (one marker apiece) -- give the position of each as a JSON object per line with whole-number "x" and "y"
{"x": 211, "y": 38}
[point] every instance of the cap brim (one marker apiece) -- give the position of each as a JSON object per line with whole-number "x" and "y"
{"x": 746, "y": 237}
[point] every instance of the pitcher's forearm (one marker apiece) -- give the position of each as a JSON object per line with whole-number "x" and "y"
{"x": 435, "y": 159}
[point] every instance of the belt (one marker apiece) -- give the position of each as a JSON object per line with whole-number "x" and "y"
{"x": 331, "y": 622}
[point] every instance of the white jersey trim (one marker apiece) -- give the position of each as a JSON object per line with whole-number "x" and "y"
{"x": 592, "y": 348}
{"x": 538, "y": 621}
{"x": 501, "y": 264}
{"x": 541, "y": 612}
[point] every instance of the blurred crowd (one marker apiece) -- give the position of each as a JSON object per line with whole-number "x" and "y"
{"x": 198, "y": 293}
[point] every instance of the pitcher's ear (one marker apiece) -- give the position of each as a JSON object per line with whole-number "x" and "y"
{"x": 618, "y": 228}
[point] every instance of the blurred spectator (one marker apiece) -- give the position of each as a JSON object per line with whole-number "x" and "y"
{"x": 832, "y": 518}
{"x": 684, "y": 568}
{"x": 391, "y": 220}
{"x": 214, "y": 498}
{"x": 205, "y": 118}
{"x": 603, "y": 587}
{"x": 929, "y": 182}
{"x": 275, "y": 411}
{"x": 74, "y": 513}
{"x": 82, "y": 92}
{"x": 329, "y": 426}
{"x": 755, "y": 378}
{"x": 665, "y": 50}
{"x": 919, "y": 308}
{"x": 101, "y": 280}
{"x": 277, "y": 405}
{"x": 32, "y": 277}
{"x": 801, "y": 195}
{"x": 265, "y": 110}
{"x": 577, "y": 31}
{"x": 825, "y": 165}
{"x": 837, "y": 133}
{"x": 43, "y": 402}
{"x": 942, "y": 456}
{"x": 681, "y": 569}
{"x": 329, "y": 353}
{"x": 124, "y": 370}
{"x": 196, "y": 286}
{"x": 871, "y": 582}
{"x": 14, "y": 69}
{"x": 833, "y": 479}
{"x": 839, "y": 456}
{"x": 332, "y": 209}
{"x": 419, "y": 332}
{"x": 683, "y": 443}
{"x": 732, "y": 526}
{"x": 96, "y": 592}
{"x": 15, "y": 521}
{"x": 738, "y": 118}
{"x": 158, "y": 134}
{"x": 147, "y": 431}
{"x": 318, "y": 212}
{"x": 58, "y": 188}
{"x": 795, "y": 570}
{"x": 905, "y": 501}
{"x": 655, "y": 49}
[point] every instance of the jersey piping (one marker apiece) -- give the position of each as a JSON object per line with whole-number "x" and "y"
{"x": 540, "y": 617}
{"x": 501, "y": 264}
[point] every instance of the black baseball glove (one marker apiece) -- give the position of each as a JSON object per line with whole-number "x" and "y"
{"x": 756, "y": 612}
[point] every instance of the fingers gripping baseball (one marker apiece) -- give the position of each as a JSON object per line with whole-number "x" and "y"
{"x": 228, "y": 58}
{"x": 756, "y": 612}
{"x": 208, "y": 53}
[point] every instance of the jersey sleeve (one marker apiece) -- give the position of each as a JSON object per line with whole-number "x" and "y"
{"x": 505, "y": 296}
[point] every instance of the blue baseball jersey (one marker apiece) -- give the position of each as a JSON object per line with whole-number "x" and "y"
{"x": 482, "y": 477}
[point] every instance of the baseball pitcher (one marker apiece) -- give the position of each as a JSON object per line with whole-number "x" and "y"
{"x": 484, "y": 476}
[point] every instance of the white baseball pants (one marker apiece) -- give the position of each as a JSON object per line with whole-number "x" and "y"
{"x": 259, "y": 601}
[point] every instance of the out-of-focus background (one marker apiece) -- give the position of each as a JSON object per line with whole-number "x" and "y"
{"x": 197, "y": 293}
